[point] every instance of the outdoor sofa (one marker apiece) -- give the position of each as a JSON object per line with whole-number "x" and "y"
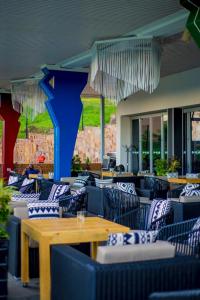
{"x": 76, "y": 276}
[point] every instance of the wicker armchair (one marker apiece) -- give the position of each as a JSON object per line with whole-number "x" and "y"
{"x": 138, "y": 219}
{"x": 117, "y": 203}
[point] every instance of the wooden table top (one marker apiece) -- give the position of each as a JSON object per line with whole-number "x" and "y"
{"x": 116, "y": 174}
{"x": 35, "y": 176}
{"x": 183, "y": 180}
{"x": 71, "y": 229}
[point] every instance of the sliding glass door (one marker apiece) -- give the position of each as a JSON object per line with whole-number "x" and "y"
{"x": 149, "y": 141}
{"x": 191, "y": 144}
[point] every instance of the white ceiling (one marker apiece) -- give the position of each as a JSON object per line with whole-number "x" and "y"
{"x": 39, "y": 32}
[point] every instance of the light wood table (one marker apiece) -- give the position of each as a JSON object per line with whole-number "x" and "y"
{"x": 35, "y": 176}
{"x": 116, "y": 174}
{"x": 183, "y": 180}
{"x": 60, "y": 231}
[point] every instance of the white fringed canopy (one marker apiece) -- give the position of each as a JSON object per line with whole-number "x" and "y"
{"x": 121, "y": 67}
{"x": 28, "y": 98}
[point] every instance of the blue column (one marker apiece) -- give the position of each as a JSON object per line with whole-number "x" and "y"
{"x": 64, "y": 107}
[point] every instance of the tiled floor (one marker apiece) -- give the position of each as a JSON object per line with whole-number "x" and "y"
{"x": 17, "y": 292}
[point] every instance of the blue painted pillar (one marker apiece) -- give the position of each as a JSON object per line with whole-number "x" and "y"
{"x": 65, "y": 107}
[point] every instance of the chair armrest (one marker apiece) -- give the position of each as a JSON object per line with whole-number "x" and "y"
{"x": 176, "y": 295}
{"x": 187, "y": 243}
{"x": 174, "y": 229}
{"x": 14, "y": 250}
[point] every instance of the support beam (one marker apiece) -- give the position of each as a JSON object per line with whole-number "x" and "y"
{"x": 102, "y": 127}
{"x": 64, "y": 106}
{"x": 11, "y": 127}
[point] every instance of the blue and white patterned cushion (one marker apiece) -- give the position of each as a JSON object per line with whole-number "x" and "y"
{"x": 194, "y": 238}
{"x": 158, "y": 209}
{"x": 80, "y": 191}
{"x": 12, "y": 179}
{"x": 57, "y": 190}
{"x": 43, "y": 209}
{"x": 103, "y": 182}
{"x": 80, "y": 181}
{"x": 191, "y": 189}
{"x": 25, "y": 197}
{"x": 27, "y": 186}
{"x": 127, "y": 187}
{"x": 132, "y": 238}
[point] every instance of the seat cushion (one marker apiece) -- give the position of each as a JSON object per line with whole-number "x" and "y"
{"x": 133, "y": 253}
{"x": 101, "y": 183}
{"x": 189, "y": 199}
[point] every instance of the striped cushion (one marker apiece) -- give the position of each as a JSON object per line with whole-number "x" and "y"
{"x": 43, "y": 209}
{"x": 80, "y": 181}
{"x": 158, "y": 209}
{"x": 25, "y": 197}
{"x": 57, "y": 190}
{"x": 12, "y": 179}
{"x": 103, "y": 182}
{"x": 27, "y": 186}
{"x": 127, "y": 187}
{"x": 132, "y": 238}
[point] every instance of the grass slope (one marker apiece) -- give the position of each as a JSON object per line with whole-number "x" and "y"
{"x": 90, "y": 117}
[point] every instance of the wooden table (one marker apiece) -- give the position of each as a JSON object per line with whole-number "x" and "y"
{"x": 60, "y": 231}
{"x": 116, "y": 174}
{"x": 35, "y": 176}
{"x": 183, "y": 180}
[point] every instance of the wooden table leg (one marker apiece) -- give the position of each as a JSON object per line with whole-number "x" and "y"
{"x": 24, "y": 258}
{"x": 93, "y": 250}
{"x": 45, "y": 279}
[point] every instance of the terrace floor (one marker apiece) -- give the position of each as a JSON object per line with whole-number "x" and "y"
{"x": 17, "y": 291}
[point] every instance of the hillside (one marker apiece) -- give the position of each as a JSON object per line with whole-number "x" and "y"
{"x": 90, "y": 117}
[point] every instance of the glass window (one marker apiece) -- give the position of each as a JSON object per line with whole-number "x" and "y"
{"x": 145, "y": 135}
{"x": 195, "y": 141}
{"x": 156, "y": 136}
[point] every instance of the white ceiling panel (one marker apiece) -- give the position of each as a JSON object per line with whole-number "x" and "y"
{"x": 39, "y": 32}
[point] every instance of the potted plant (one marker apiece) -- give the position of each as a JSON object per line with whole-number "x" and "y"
{"x": 5, "y": 196}
{"x": 161, "y": 167}
{"x": 173, "y": 166}
{"x": 76, "y": 165}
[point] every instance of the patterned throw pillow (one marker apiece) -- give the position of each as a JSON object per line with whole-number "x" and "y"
{"x": 12, "y": 179}
{"x": 194, "y": 238}
{"x": 158, "y": 209}
{"x": 127, "y": 187}
{"x": 27, "y": 186}
{"x": 191, "y": 190}
{"x": 74, "y": 202}
{"x": 43, "y": 209}
{"x": 101, "y": 183}
{"x": 25, "y": 197}
{"x": 132, "y": 238}
{"x": 57, "y": 190}
{"x": 80, "y": 181}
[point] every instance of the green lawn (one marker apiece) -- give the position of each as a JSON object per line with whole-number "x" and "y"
{"x": 90, "y": 117}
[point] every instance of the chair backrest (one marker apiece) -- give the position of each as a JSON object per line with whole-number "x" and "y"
{"x": 117, "y": 203}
